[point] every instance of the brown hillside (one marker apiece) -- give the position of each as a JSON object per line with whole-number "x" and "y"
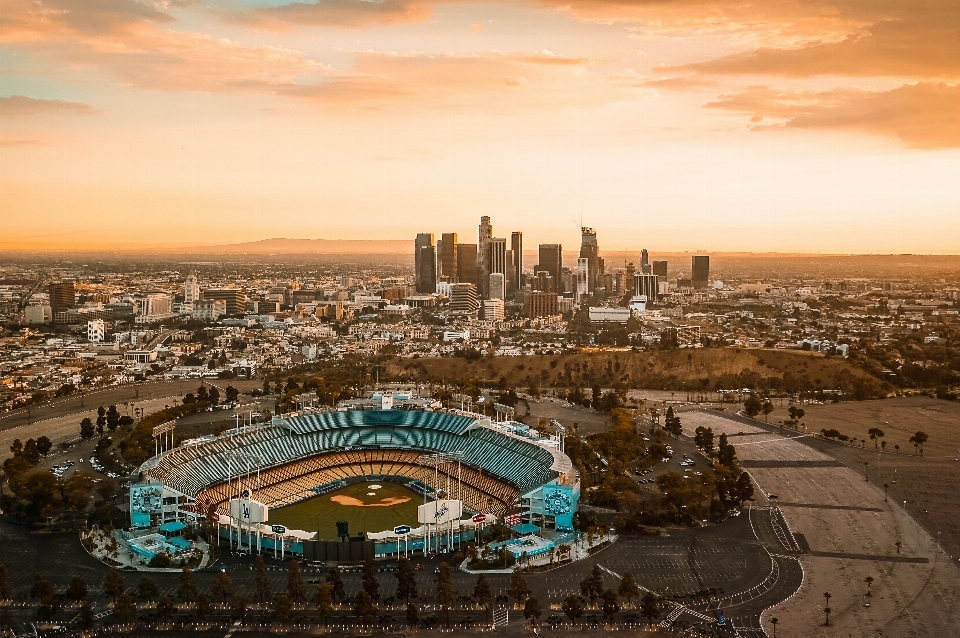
{"x": 701, "y": 369}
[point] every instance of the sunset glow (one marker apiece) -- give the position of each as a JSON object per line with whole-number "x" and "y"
{"x": 786, "y": 125}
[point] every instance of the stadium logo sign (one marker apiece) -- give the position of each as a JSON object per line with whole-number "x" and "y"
{"x": 278, "y": 529}
{"x": 400, "y": 530}
{"x": 246, "y": 511}
{"x": 479, "y": 518}
{"x": 440, "y": 513}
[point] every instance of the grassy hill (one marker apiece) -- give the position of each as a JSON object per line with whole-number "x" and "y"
{"x": 701, "y": 369}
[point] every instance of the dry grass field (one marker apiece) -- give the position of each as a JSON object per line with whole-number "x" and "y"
{"x": 705, "y": 369}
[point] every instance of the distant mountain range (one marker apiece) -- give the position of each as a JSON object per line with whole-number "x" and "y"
{"x": 283, "y": 246}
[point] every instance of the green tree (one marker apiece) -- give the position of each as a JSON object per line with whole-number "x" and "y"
{"x": 445, "y": 594}
{"x": 532, "y": 610}
{"x": 204, "y": 606}
{"x": 482, "y": 593}
{"x": 752, "y": 406}
{"x": 85, "y": 619}
{"x": 875, "y": 435}
{"x": 628, "y": 587}
{"x": 364, "y": 606}
{"x": 283, "y": 609}
{"x": 124, "y": 609}
{"x": 767, "y": 409}
{"x": 371, "y": 584}
{"x": 650, "y": 606}
{"x": 592, "y": 586}
{"x": 412, "y": 615}
{"x": 406, "y": 580}
{"x": 333, "y": 579}
{"x": 77, "y": 590}
{"x": 101, "y": 419}
{"x": 262, "y": 580}
{"x": 166, "y": 608}
{"x": 917, "y": 439}
{"x": 573, "y": 608}
{"x": 222, "y": 587}
{"x": 295, "y": 587}
{"x": 43, "y": 445}
{"x": 323, "y": 601}
{"x": 113, "y": 584}
{"x": 232, "y": 394}
{"x": 187, "y": 590}
{"x": 610, "y": 606}
{"x": 148, "y": 588}
{"x": 518, "y": 585}
{"x": 214, "y": 395}
{"x": 238, "y": 608}
{"x": 113, "y": 418}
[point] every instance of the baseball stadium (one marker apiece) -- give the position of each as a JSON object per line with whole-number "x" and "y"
{"x": 402, "y": 477}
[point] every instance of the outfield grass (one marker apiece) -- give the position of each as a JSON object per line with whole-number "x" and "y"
{"x": 365, "y": 513}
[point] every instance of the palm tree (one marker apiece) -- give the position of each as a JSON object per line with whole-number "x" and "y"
{"x": 898, "y": 544}
{"x": 774, "y": 621}
{"x": 826, "y": 609}
{"x": 869, "y": 581}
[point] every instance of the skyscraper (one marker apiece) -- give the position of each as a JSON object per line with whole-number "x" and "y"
{"x": 498, "y": 255}
{"x": 447, "y": 257}
{"x": 660, "y": 269}
{"x": 583, "y": 278}
{"x": 484, "y": 236}
{"x": 551, "y": 259}
{"x": 467, "y": 263}
{"x": 700, "y": 268}
{"x": 425, "y": 263}
{"x": 516, "y": 248}
{"x": 644, "y": 262}
{"x": 590, "y": 250}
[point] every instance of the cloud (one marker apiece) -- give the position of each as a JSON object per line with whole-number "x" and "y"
{"x": 922, "y": 115}
{"x": 22, "y": 106}
{"x": 33, "y": 20}
{"x": 352, "y": 14}
{"x": 488, "y": 81}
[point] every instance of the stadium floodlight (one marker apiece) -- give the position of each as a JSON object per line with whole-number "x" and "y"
{"x": 440, "y": 458}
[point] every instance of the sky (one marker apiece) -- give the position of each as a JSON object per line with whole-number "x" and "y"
{"x": 685, "y": 125}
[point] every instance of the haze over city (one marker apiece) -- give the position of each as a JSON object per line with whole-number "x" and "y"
{"x": 702, "y": 125}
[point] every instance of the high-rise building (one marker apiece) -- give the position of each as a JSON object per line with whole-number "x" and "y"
{"x": 700, "y": 271}
{"x": 660, "y": 269}
{"x": 497, "y": 287}
{"x": 516, "y": 249}
{"x": 191, "y": 289}
{"x": 62, "y": 297}
{"x": 646, "y": 285}
{"x": 498, "y": 255}
{"x": 551, "y": 259}
{"x": 644, "y": 262}
{"x": 447, "y": 257}
{"x": 540, "y": 304}
{"x": 463, "y": 299}
{"x": 484, "y": 258}
{"x": 467, "y": 263}
{"x": 425, "y": 263}
{"x": 583, "y": 278}
{"x": 236, "y": 299}
{"x": 590, "y": 250}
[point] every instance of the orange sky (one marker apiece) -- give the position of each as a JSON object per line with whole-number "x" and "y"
{"x": 782, "y": 125}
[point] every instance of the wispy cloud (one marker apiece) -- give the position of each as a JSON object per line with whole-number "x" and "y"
{"x": 22, "y": 106}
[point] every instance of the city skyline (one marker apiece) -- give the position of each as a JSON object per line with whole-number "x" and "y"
{"x": 714, "y": 126}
